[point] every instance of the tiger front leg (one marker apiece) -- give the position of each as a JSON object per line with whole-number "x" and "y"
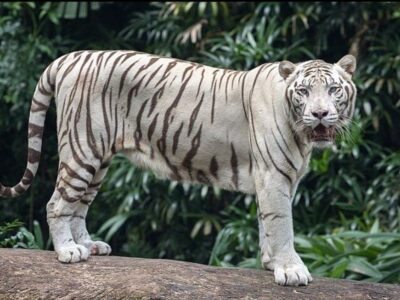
{"x": 275, "y": 215}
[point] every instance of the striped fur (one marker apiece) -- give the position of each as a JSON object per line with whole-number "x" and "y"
{"x": 184, "y": 121}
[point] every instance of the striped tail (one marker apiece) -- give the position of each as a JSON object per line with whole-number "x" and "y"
{"x": 40, "y": 104}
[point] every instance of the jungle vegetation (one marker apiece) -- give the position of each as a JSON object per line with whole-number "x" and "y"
{"x": 346, "y": 211}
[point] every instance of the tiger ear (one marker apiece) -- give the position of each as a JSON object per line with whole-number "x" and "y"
{"x": 348, "y": 63}
{"x": 286, "y": 68}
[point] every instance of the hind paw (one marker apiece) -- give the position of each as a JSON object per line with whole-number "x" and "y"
{"x": 98, "y": 248}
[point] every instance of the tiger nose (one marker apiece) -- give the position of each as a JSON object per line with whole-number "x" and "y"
{"x": 320, "y": 114}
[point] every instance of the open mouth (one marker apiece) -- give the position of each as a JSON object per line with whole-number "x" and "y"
{"x": 323, "y": 134}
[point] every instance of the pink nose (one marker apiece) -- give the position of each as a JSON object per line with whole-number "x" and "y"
{"x": 320, "y": 114}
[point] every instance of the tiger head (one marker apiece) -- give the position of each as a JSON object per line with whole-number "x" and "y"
{"x": 321, "y": 97}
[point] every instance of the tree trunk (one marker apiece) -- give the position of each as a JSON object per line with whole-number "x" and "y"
{"x": 33, "y": 274}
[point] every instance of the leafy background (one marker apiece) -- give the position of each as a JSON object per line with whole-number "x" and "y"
{"x": 346, "y": 212}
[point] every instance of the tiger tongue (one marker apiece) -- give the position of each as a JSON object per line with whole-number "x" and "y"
{"x": 320, "y": 129}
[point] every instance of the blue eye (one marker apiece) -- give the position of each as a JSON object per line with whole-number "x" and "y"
{"x": 302, "y": 91}
{"x": 334, "y": 89}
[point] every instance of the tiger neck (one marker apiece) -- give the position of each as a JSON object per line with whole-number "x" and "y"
{"x": 273, "y": 138}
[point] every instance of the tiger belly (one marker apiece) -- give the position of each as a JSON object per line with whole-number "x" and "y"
{"x": 214, "y": 170}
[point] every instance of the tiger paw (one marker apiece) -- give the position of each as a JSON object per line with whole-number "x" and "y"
{"x": 293, "y": 274}
{"x": 72, "y": 253}
{"x": 99, "y": 248}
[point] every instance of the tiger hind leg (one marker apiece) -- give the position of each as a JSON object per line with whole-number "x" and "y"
{"x": 72, "y": 184}
{"x": 78, "y": 223}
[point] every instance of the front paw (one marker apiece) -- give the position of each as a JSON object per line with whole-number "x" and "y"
{"x": 72, "y": 253}
{"x": 292, "y": 274}
{"x": 289, "y": 270}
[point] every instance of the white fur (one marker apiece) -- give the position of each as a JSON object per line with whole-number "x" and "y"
{"x": 246, "y": 124}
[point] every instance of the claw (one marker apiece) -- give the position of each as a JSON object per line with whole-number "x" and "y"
{"x": 72, "y": 253}
{"x": 292, "y": 274}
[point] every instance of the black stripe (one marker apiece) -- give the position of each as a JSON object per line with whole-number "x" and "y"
{"x": 89, "y": 168}
{"x": 176, "y": 139}
{"x": 283, "y": 152}
{"x": 244, "y": 108}
{"x": 276, "y": 167}
{"x": 234, "y": 166}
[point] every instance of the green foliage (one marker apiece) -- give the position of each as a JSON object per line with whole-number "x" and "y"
{"x": 78, "y": 9}
{"x": 169, "y": 219}
{"x": 237, "y": 242}
{"x": 346, "y": 211}
{"x": 6, "y": 229}
{"x": 369, "y": 256}
{"x": 23, "y": 238}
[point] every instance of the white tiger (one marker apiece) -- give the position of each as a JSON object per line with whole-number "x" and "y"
{"x": 250, "y": 131}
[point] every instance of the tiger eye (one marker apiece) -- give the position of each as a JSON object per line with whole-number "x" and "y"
{"x": 334, "y": 89}
{"x": 303, "y": 91}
